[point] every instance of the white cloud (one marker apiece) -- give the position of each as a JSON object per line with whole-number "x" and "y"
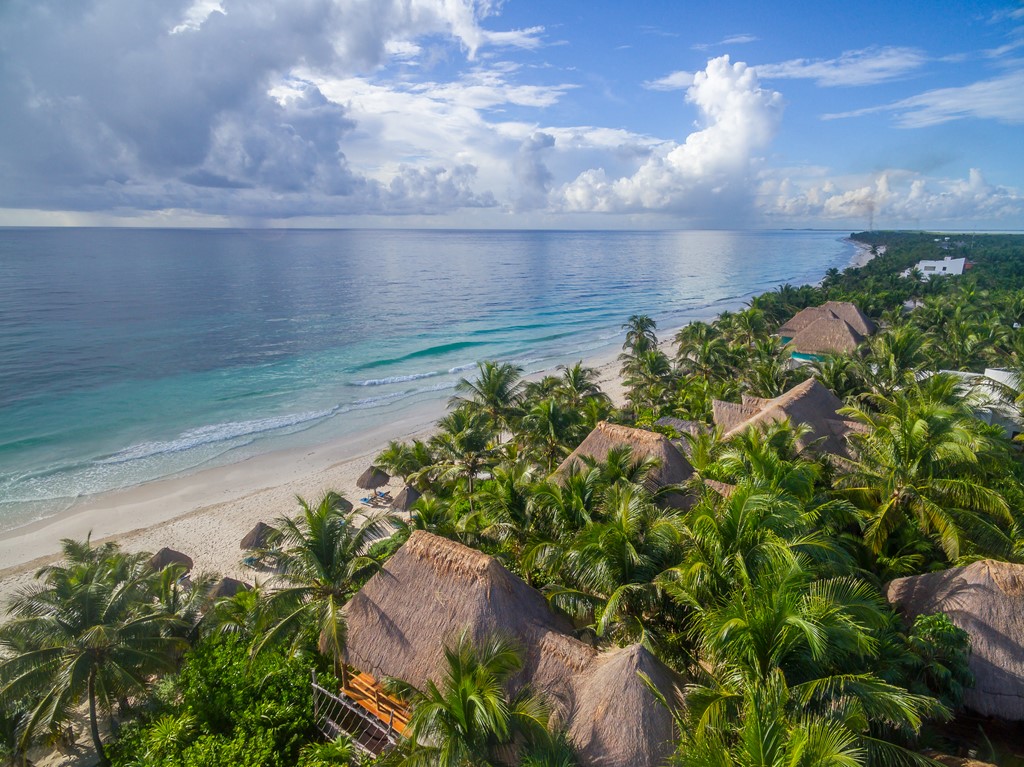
{"x": 867, "y": 66}
{"x": 740, "y": 39}
{"x": 529, "y": 38}
{"x": 676, "y": 81}
{"x": 999, "y": 98}
{"x": 893, "y": 198}
{"x": 706, "y": 177}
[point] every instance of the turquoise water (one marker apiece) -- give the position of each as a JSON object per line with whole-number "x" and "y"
{"x": 131, "y": 355}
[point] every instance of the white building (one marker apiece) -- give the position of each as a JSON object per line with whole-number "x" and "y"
{"x": 948, "y": 265}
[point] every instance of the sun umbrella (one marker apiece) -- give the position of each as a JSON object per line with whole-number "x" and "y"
{"x": 372, "y": 478}
{"x": 228, "y": 587}
{"x": 257, "y": 537}
{"x": 167, "y": 556}
{"x": 405, "y": 499}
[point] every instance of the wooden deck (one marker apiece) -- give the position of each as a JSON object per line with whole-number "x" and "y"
{"x": 367, "y": 693}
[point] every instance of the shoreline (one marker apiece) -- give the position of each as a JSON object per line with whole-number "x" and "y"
{"x": 206, "y": 513}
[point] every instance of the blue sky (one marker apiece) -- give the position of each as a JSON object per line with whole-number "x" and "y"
{"x": 470, "y": 113}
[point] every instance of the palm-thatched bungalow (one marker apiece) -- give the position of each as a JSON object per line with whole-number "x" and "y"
{"x": 985, "y": 599}
{"x": 809, "y": 403}
{"x": 835, "y": 327}
{"x": 227, "y": 587}
{"x": 672, "y": 469}
{"x": 433, "y": 589}
{"x": 826, "y": 335}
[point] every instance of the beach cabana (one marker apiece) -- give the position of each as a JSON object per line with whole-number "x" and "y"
{"x": 985, "y": 599}
{"x": 372, "y": 478}
{"x": 809, "y": 403}
{"x": 405, "y": 499}
{"x": 433, "y": 590}
{"x": 826, "y": 335}
{"x": 672, "y": 469}
{"x": 167, "y": 556}
{"x": 258, "y": 537}
{"x": 227, "y": 587}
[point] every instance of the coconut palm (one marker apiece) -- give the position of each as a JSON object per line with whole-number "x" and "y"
{"x": 470, "y": 718}
{"x": 579, "y": 384}
{"x": 610, "y": 570}
{"x": 462, "y": 449}
{"x": 551, "y": 430}
{"x": 922, "y": 461}
{"x": 640, "y": 335}
{"x": 496, "y": 392}
{"x": 321, "y": 563}
{"x": 92, "y": 631}
{"x": 405, "y": 459}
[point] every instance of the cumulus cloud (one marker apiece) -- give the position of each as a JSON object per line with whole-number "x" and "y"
{"x": 676, "y": 81}
{"x": 708, "y": 176}
{"x": 998, "y": 98}
{"x": 867, "y": 66}
{"x": 893, "y": 198}
{"x": 119, "y": 104}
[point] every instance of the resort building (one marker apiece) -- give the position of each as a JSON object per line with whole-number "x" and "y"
{"x": 947, "y": 266}
{"x": 991, "y": 397}
{"x": 434, "y": 590}
{"x": 835, "y": 327}
{"x": 809, "y": 403}
{"x": 985, "y": 599}
{"x": 672, "y": 468}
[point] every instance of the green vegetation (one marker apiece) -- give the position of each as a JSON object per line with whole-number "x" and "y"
{"x": 765, "y": 596}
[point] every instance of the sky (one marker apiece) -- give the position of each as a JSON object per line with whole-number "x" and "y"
{"x": 518, "y": 114}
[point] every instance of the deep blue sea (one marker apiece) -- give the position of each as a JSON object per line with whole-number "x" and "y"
{"x": 129, "y": 355}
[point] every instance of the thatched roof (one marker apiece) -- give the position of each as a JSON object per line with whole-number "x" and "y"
{"x": 728, "y": 415}
{"x": 673, "y": 468}
{"x": 433, "y": 589}
{"x": 373, "y": 478}
{"x": 167, "y": 556}
{"x": 802, "y": 319}
{"x": 724, "y": 489}
{"x": 985, "y": 599}
{"x": 681, "y": 426}
{"x": 258, "y": 537}
{"x": 809, "y": 403}
{"x": 405, "y": 499}
{"x": 826, "y": 335}
{"x": 852, "y": 315}
{"x": 611, "y": 692}
{"x": 841, "y": 310}
{"x": 227, "y": 587}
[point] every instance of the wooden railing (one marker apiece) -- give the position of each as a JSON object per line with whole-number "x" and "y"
{"x": 368, "y": 693}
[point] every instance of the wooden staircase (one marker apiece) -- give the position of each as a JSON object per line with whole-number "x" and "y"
{"x": 368, "y": 694}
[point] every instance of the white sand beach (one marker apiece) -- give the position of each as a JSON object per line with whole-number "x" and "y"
{"x": 206, "y": 514}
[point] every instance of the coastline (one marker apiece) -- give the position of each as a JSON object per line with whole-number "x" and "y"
{"x": 206, "y": 513}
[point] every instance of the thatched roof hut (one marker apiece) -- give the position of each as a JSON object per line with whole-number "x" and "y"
{"x": 852, "y": 315}
{"x": 373, "y": 478}
{"x": 835, "y": 310}
{"x": 227, "y": 587}
{"x": 258, "y": 537}
{"x": 809, "y": 403}
{"x": 167, "y": 556}
{"x": 672, "y": 468}
{"x": 405, "y": 499}
{"x": 433, "y": 589}
{"x": 985, "y": 599}
{"x": 683, "y": 427}
{"x": 826, "y": 335}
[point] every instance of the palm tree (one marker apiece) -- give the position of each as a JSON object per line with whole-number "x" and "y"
{"x": 405, "y": 460}
{"x": 470, "y": 718}
{"x": 91, "y": 630}
{"x": 640, "y": 335}
{"x": 496, "y": 392}
{"x": 462, "y": 449}
{"x": 647, "y": 375}
{"x": 922, "y": 461}
{"x": 321, "y": 562}
{"x": 578, "y": 385}
{"x": 552, "y": 429}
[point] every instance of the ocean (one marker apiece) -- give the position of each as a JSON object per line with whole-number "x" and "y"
{"x": 129, "y": 355}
